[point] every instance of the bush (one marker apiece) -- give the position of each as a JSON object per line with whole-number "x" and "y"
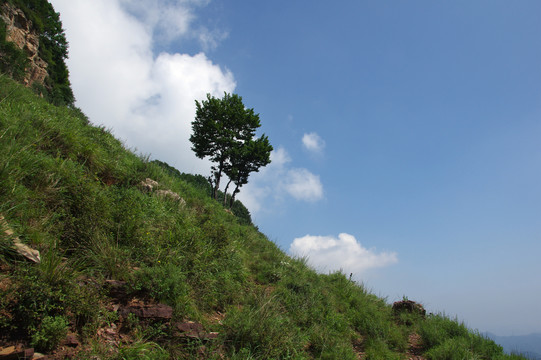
{"x": 51, "y": 332}
{"x": 163, "y": 282}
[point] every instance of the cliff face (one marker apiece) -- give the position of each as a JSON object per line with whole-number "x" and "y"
{"x": 21, "y": 32}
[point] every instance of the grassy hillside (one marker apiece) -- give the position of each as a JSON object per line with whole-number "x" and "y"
{"x": 111, "y": 246}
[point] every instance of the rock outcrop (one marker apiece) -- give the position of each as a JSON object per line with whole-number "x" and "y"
{"x": 24, "y": 250}
{"x": 151, "y": 186}
{"x": 409, "y": 306}
{"x": 21, "y": 32}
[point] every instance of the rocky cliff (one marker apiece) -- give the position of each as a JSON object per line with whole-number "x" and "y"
{"x": 20, "y": 31}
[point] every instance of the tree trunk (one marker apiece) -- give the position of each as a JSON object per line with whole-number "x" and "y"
{"x": 225, "y": 192}
{"x": 217, "y": 177}
{"x": 235, "y": 192}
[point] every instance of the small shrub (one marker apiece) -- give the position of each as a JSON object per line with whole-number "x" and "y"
{"x": 163, "y": 282}
{"x": 50, "y": 333}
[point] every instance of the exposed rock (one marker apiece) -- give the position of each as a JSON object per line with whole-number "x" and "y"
{"x": 24, "y": 250}
{"x": 71, "y": 341}
{"x": 109, "y": 334}
{"x": 27, "y": 251}
{"x": 148, "y": 185}
{"x": 193, "y": 330}
{"x": 146, "y": 310}
{"x": 408, "y": 306}
{"x": 16, "y": 352}
{"x": 168, "y": 194}
{"x": 21, "y": 32}
{"x": 117, "y": 289}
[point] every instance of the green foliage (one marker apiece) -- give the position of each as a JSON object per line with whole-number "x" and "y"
{"x": 51, "y": 331}
{"x": 224, "y": 131}
{"x": 163, "y": 282}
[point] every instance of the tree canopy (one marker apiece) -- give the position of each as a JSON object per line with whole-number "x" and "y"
{"x": 224, "y": 131}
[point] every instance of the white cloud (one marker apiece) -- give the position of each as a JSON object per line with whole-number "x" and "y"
{"x": 168, "y": 20}
{"x": 313, "y": 142}
{"x": 328, "y": 253}
{"x": 278, "y": 180}
{"x": 209, "y": 39}
{"x": 303, "y": 185}
{"x": 146, "y": 99}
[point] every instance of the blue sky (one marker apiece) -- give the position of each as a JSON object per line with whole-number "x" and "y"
{"x": 406, "y": 134}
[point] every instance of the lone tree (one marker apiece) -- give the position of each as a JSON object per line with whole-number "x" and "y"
{"x": 224, "y": 130}
{"x": 244, "y": 160}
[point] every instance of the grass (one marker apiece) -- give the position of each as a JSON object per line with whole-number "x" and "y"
{"x": 71, "y": 190}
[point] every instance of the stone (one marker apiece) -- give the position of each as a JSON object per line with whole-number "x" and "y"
{"x": 168, "y": 194}
{"x": 408, "y": 306}
{"x": 190, "y": 329}
{"x": 16, "y": 352}
{"x": 148, "y": 185}
{"x": 71, "y": 341}
{"x": 194, "y": 330}
{"x": 117, "y": 289}
{"x": 27, "y": 251}
{"x": 24, "y": 250}
{"x": 147, "y": 311}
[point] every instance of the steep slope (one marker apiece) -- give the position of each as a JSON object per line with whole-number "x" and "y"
{"x": 136, "y": 262}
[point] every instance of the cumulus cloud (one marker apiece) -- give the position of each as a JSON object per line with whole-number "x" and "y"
{"x": 303, "y": 185}
{"x": 328, "y": 253}
{"x": 313, "y": 142}
{"x": 146, "y": 99}
{"x": 278, "y": 180}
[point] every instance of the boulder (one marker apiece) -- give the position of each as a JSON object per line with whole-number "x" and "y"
{"x": 24, "y": 250}
{"x": 194, "y": 330}
{"x": 168, "y": 194}
{"x": 409, "y": 306}
{"x": 146, "y": 310}
{"x": 148, "y": 185}
{"x": 16, "y": 352}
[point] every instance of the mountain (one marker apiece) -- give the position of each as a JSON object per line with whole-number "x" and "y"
{"x": 528, "y": 345}
{"x": 107, "y": 255}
